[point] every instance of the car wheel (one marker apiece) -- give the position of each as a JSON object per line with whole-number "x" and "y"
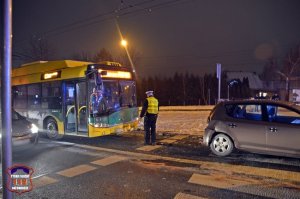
{"x": 51, "y": 128}
{"x": 221, "y": 145}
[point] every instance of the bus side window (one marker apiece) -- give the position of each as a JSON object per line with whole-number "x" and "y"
{"x": 20, "y": 97}
{"x": 34, "y": 96}
{"x": 51, "y": 95}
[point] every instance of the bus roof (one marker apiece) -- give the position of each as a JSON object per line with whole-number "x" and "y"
{"x": 45, "y": 66}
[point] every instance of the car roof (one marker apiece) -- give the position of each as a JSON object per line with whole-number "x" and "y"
{"x": 262, "y": 101}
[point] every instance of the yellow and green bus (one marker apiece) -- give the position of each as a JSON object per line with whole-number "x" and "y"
{"x": 76, "y": 98}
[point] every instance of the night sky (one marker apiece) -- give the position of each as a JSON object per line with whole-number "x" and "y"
{"x": 170, "y": 35}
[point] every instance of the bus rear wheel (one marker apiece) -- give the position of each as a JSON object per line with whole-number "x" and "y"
{"x": 52, "y": 129}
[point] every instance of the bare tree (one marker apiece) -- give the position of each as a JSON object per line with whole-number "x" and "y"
{"x": 270, "y": 70}
{"x": 38, "y": 49}
{"x": 202, "y": 90}
{"x": 291, "y": 68}
{"x": 103, "y": 55}
{"x": 82, "y": 56}
{"x": 132, "y": 55}
{"x": 292, "y": 63}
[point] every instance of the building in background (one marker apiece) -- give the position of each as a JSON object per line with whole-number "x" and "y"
{"x": 267, "y": 88}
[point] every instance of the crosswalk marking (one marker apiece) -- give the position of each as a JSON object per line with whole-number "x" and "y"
{"x": 219, "y": 181}
{"x": 179, "y": 137}
{"x": 265, "y": 172}
{"x": 187, "y": 196}
{"x": 168, "y": 141}
{"x": 42, "y": 181}
{"x": 77, "y": 170}
{"x": 223, "y": 167}
{"x": 148, "y": 148}
{"x": 173, "y": 139}
{"x": 109, "y": 160}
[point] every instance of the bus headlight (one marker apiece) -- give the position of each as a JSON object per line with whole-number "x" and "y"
{"x": 34, "y": 128}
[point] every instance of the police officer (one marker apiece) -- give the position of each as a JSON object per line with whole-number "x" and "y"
{"x": 150, "y": 110}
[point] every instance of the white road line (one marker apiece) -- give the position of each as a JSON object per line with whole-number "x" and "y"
{"x": 256, "y": 187}
{"x": 83, "y": 152}
{"x": 38, "y": 176}
{"x": 179, "y": 137}
{"x": 148, "y": 148}
{"x": 168, "y": 141}
{"x": 109, "y": 160}
{"x": 256, "y": 171}
{"x": 173, "y": 139}
{"x": 77, "y": 170}
{"x": 219, "y": 181}
{"x": 43, "y": 181}
{"x": 187, "y": 196}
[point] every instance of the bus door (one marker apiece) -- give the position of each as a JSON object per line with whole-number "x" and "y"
{"x": 75, "y": 108}
{"x": 81, "y": 104}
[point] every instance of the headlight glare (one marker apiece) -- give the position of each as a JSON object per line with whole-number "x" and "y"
{"x": 34, "y": 128}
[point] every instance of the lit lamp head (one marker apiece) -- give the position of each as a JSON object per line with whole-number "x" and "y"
{"x": 124, "y": 42}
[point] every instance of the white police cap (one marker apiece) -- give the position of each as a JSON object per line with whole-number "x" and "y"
{"x": 149, "y": 92}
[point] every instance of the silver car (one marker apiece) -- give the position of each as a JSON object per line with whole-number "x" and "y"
{"x": 23, "y": 131}
{"x": 259, "y": 126}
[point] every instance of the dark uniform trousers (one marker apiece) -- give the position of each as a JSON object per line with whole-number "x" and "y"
{"x": 150, "y": 128}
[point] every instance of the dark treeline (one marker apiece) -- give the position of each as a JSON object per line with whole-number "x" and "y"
{"x": 190, "y": 89}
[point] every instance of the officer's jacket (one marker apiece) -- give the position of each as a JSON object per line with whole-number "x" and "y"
{"x": 150, "y": 107}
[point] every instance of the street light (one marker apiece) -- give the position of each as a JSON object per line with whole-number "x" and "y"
{"x": 124, "y": 43}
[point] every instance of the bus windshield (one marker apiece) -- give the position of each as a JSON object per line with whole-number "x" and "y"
{"x": 127, "y": 94}
{"x": 110, "y": 96}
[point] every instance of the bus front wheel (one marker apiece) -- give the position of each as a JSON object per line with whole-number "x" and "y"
{"x": 51, "y": 128}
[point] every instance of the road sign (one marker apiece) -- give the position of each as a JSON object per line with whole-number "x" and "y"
{"x": 219, "y": 70}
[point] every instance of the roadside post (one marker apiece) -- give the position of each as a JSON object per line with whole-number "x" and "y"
{"x": 219, "y": 73}
{"x": 6, "y": 97}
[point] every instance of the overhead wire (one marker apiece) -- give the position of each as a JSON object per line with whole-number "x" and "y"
{"x": 101, "y": 18}
{"x": 133, "y": 9}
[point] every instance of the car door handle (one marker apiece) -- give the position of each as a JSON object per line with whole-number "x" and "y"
{"x": 273, "y": 129}
{"x": 232, "y": 125}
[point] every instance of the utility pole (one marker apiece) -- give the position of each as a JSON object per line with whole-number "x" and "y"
{"x": 6, "y": 97}
{"x": 228, "y": 91}
{"x": 219, "y": 73}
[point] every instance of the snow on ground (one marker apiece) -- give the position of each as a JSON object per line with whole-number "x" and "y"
{"x": 182, "y": 122}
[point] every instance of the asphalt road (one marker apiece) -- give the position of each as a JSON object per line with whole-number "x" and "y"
{"x": 178, "y": 167}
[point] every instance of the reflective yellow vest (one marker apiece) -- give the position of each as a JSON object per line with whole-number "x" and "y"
{"x": 152, "y": 105}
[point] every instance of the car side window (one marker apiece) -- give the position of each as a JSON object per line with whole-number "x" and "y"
{"x": 15, "y": 115}
{"x": 245, "y": 111}
{"x": 282, "y": 115}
